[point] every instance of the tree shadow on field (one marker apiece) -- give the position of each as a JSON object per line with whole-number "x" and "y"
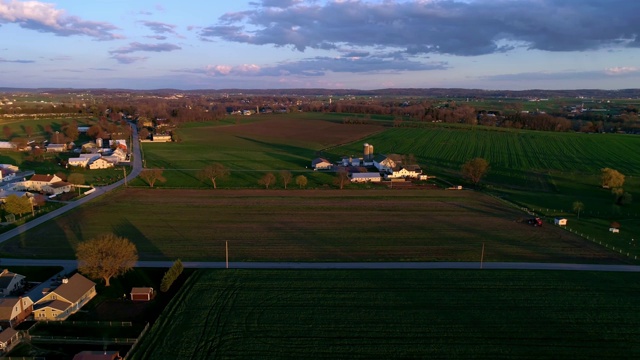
{"x": 295, "y": 151}
{"x": 147, "y": 250}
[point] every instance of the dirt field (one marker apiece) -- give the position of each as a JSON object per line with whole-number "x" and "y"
{"x": 305, "y": 225}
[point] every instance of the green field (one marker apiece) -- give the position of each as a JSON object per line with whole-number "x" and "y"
{"x": 310, "y": 225}
{"x": 399, "y": 314}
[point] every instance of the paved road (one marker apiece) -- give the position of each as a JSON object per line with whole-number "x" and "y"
{"x": 136, "y": 168}
{"x": 71, "y": 264}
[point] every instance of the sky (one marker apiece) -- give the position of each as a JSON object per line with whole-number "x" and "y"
{"x": 334, "y": 44}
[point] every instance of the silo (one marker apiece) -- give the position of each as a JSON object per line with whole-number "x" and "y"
{"x": 366, "y": 152}
{"x": 371, "y": 153}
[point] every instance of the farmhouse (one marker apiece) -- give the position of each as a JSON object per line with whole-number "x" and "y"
{"x": 413, "y": 172}
{"x": 321, "y": 164}
{"x": 65, "y": 300}
{"x": 97, "y": 355}
{"x": 100, "y": 163}
{"x": 14, "y": 310}
{"x": 384, "y": 163}
{"x": 365, "y": 177}
{"x": 37, "y": 182}
{"x": 142, "y": 293}
{"x": 10, "y": 282}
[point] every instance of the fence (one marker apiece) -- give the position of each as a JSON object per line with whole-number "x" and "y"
{"x": 80, "y": 340}
{"x": 135, "y": 343}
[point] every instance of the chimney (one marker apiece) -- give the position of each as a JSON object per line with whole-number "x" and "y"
{"x": 65, "y": 280}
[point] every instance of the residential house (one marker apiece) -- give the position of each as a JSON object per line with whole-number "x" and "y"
{"x": 100, "y": 163}
{"x": 142, "y": 293}
{"x": 321, "y": 164}
{"x": 384, "y": 163}
{"x": 66, "y": 299}
{"x": 560, "y": 221}
{"x": 37, "y": 181}
{"x": 365, "y": 177}
{"x": 8, "y": 339}
{"x": 56, "y": 147}
{"x": 14, "y": 310}
{"x": 57, "y": 188}
{"x": 11, "y": 282}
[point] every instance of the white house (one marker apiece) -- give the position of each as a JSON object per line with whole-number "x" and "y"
{"x": 100, "y": 163}
{"x": 160, "y": 138}
{"x": 321, "y": 164}
{"x": 57, "y": 188}
{"x": 384, "y": 163}
{"x": 365, "y": 177}
{"x": 37, "y": 182}
{"x": 405, "y": 172}
{"x": 10, "y": 282}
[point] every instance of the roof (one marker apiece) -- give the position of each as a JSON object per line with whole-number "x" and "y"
{"x": 60, "y": 184}
{"x": 73, "y": 290}
{"x": 141, "y": 290}
{"x": 319, "y": 161}
{"x": 6, "y": 278}
{"x": 44, "y": 178}
{"x": 7, "y": 334}
{"x": 55, "y": 304}
{"x": 55, "y": 145}
{"x": 6, "y": 307}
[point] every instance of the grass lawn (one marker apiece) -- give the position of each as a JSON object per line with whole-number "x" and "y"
{"x": 399, "y": 314}
{"x": 310, "y": 225}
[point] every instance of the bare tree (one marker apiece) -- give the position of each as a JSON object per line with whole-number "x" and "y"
{"x": 267, "y": 180}
{"x": 342, "y": 178}
{"x": 150, "y": 176}
{"x": 286, "y": 177}
{"x": 578, "y": 206}
{"x": 213, "y": 172}
{"x": 106, "y": 256}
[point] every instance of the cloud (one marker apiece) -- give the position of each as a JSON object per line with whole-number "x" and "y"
{"x": 455, "y": 27}
{"x": 156, "y": 37}
{"x": 101, "y": 69}
{"x": 125, "y": 59}
{"x": 622, "y": 70}
{"x": 136, "y": 46}
{"x": 159, "y": 28}
{"x": 2, "y": 60}
{"x": 319, "y": 66}
{"x": 44, "y": 17}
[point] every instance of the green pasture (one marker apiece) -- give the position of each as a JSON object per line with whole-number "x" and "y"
{"x": 398, "y": 314}
{"x": 310, "y": 225}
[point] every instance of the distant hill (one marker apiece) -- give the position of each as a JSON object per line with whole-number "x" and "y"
{"x": 405, "y": 92}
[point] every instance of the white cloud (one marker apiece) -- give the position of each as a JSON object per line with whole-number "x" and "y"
{"x": 45, "y": 17}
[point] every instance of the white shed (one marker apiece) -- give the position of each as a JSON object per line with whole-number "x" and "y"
{"x": 560, "y": 221}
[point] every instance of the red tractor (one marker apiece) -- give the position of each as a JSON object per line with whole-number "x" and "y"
{"x": 535, "y": 221}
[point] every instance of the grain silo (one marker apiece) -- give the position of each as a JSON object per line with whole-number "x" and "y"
{"x": 365, "y": 152}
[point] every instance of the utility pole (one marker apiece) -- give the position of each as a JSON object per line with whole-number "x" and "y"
{"x": 226, "y": 245}
{"x": 482, "y": 256}
{"x": 124, "y": 170}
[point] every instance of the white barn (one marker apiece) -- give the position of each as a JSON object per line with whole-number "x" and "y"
{"x": 365, "y": 177}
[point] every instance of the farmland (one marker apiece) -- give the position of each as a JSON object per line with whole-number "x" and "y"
{"x": 310, "y": 225}
{"x": 399, "y": 314}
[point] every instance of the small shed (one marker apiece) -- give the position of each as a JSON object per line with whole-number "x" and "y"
{"x": 560, "y": 221}
{"x": 142, "y": 293}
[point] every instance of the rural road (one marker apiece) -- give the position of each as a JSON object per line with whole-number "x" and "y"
{"x": 136, "y": 168}
{"x": 345, "y": 265}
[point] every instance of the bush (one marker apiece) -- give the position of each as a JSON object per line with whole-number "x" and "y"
{"x": 171, "y": 275}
